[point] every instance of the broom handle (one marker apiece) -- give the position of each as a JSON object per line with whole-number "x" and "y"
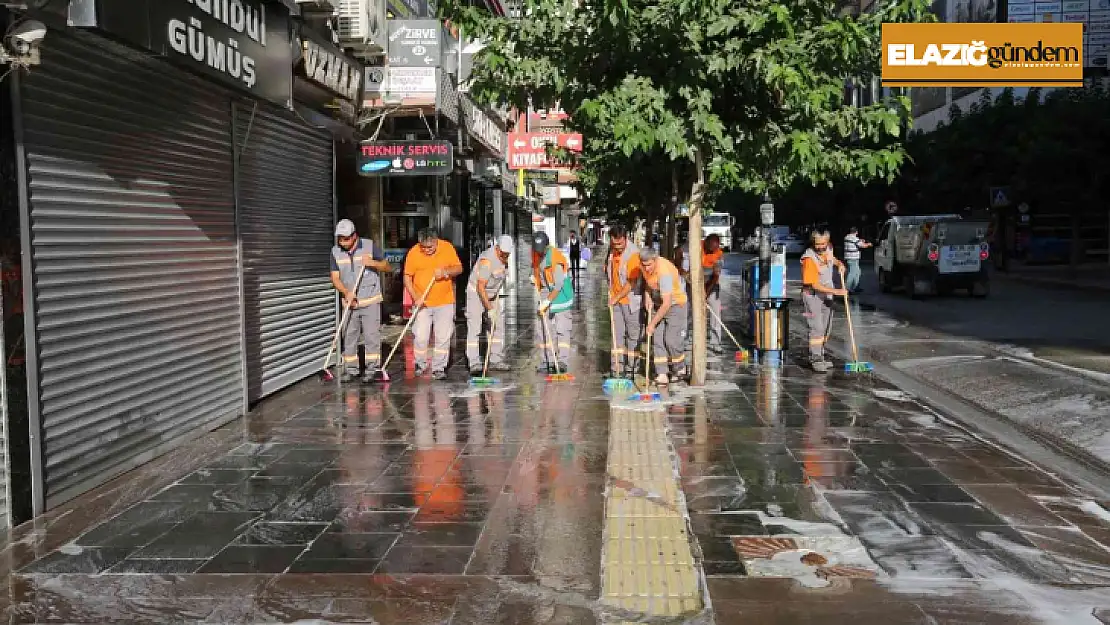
{"x": 613, "y": 332}
{"x": 848, "y": 315}
{"x": 489, "y": 341}
{"x": 412, "y": 318}
{"x": 737, "y": 343}
{"x": 343, "y": 320}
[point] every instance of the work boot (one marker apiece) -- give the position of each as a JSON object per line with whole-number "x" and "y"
{"x": 347, "y": 376}
{"x": 419, "y": 371}
{"x": 662, "y": 379}
{"x": 821, "y": 366}
{"x": 372, "y": 374}
{"x": 475, "y": 371}
{"x": 500, "y": 366}
{"x": 440, "y": 375}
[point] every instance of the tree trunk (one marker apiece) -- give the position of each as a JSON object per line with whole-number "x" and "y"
{"x": 698, "y": 363}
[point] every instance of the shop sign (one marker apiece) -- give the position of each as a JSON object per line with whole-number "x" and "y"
{"x": 528, "y": 150}
{"x": 243, "y": 43}
{"x": 326, "y": 66}
{"x": 482, "y": 127}
{"x": 414, "y": 43}
{"x": 551, "y": 194}
{"x": 406, "y": 81}
{"x": 405, "y": 158}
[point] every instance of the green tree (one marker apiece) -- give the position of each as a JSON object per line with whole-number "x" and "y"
{"x": 741, "y": 95}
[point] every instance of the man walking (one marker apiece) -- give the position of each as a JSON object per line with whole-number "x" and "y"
{"x": 432, "y": 261}
{"x": 575, "y": 248}
{"x": 549, "y": 269}
{"x": 852, "y": 246}
{"x": 818, "y": 292}
{"x": 711, "y": 256}
{"x": 482, "y": 300}
{"x": 666, "y": 305}
{"x": 350, "y": 257}
{"x": 622, "y": 269}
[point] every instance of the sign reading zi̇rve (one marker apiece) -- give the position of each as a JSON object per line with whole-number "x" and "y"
{"x": 983, "y": 55}
{"x": 405, "y": 158}
{"x": 242, "y": 43}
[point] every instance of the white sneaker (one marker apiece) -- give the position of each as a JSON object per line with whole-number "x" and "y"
{"x": 662, "y": 379}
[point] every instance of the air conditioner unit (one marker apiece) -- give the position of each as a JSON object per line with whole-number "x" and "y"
{"x": 318, "y": 6}
{"x": 362, "y": 26}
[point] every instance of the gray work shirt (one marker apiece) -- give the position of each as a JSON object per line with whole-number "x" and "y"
{"x": 348, "y": 265}
{"x": 489, "y": 268}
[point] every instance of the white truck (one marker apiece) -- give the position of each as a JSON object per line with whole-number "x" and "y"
{"x": 933, "y": 255}
{"x": 719, "y": 224}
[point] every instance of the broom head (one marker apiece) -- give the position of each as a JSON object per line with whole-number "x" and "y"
{"x": 559, "y": 377}
{"x": 616, "y": 384}
{"x": 482, "y": 381}
{"x": 858, "y": 367}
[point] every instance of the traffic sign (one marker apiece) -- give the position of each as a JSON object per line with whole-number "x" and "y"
{"x": 1000, "y": 197}
{"x": 414, "y": 43}
{"x": 528, "y": 150}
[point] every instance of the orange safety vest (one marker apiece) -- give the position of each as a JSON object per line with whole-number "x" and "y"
{"x": 557, "y": 258}
{"x": 665, "y": 267}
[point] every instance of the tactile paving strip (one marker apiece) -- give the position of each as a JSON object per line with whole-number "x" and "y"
{"x": 648, "y": 565}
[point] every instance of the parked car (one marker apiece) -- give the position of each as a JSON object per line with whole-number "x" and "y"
{"x": 792, "y": 244}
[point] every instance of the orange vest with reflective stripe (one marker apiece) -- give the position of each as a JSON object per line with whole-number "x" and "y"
{"x": 664, "y": 267}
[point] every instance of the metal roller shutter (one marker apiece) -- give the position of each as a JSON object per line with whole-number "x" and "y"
{"x": 136, "y": 288}
{"x": 285, "y": 221}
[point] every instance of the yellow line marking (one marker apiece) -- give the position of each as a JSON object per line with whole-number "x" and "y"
{"x": 647, "y": 565}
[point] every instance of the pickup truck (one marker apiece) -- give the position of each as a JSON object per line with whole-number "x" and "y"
{"x": 933, "y": 255}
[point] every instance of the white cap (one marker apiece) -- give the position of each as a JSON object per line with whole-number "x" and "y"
{"x": 505, "y": 242}
{"x": 344, "y": 228}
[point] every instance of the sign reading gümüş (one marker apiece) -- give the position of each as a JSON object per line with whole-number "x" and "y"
{"x": 244, "y": 43}
{"x": 405, "y": 158}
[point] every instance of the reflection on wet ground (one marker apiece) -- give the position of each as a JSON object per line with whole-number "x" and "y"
{"x": 800, "y": 499}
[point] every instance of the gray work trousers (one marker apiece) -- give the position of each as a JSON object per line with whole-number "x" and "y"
{"x": 475, "y": 315}
{"x": 367, "y": 322}
{"x": 713, "y": 299}
{"x": 818, "y": 315}
{"x": 559, "y": 324}
{"x": 668, "y": 343}
{"x": 441, "y": 321}
{"x": 627, "y": 326}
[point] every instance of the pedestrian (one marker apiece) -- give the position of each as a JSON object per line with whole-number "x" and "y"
{"x": 351, "y": 256}
{"x": 622, "y": 270}
{"x": 711, "y": 255}
{"x": 818, "y": 291}
{"x": 482, "y": 301}
{"x": 575, "y": 253}
{"x": 551, "y": 272}
{"x": 432, "y": 260}
{"x": 666, "y": 305}
{"x": 852, "y": 246}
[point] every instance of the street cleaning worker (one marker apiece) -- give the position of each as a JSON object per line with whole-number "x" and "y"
{"x": 482, "y": 291}
{"x": 852, "y": 246}
{"x": 550, "y": 269}
{"x": 432, "y": 260}
{"x": 622, "y": 269}
{"x": 711, "y": 263}
{"x": 350, "y": 256}
{"x": 666, "y": 305}
{"x": 818, "y": 293}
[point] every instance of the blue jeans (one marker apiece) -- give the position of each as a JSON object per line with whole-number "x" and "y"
{"x": 853, "y": 274}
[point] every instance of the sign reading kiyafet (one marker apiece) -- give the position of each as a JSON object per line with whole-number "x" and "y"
{"x": 405, "y": 158}
{"x": 528, "y": 150}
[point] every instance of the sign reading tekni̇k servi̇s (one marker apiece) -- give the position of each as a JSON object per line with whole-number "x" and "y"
{"x": 244, "y": 43}
{"x": 405, "y": 158}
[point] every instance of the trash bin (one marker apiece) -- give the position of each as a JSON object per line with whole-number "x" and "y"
{"x": 772, "y": 324}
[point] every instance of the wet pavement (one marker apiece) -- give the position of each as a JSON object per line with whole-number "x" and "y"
{"x": 769, "y": 496}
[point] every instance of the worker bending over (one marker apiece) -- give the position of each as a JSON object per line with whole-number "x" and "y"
{"x": 818, "y": 292}
{"x": 482, "y": 301}
{"x": 666, "y": 305}
{"x": 623, "y": 271}
{"x": 550, "y": 270}
{"x": 350, "y": 257}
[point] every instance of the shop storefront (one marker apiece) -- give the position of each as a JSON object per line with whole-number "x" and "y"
{"x": 176, "y": 215}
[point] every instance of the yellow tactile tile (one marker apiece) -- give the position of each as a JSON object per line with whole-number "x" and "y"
{"x": 648, "y": 564}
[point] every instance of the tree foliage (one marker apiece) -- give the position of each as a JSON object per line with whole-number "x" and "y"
{"x": 757, "y": 87}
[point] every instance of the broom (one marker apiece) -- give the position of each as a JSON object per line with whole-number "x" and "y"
{"x": 741, "y": 353}
{"x": 486, "y": 381}
{"x": 614, "y": 383}
{"x": 856, "y": 365}
{"x": 647, "y": 379}
{"x": 383, "y": 375}
{"x": 325, "y": 373}
{"x": 558, "y": 376}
